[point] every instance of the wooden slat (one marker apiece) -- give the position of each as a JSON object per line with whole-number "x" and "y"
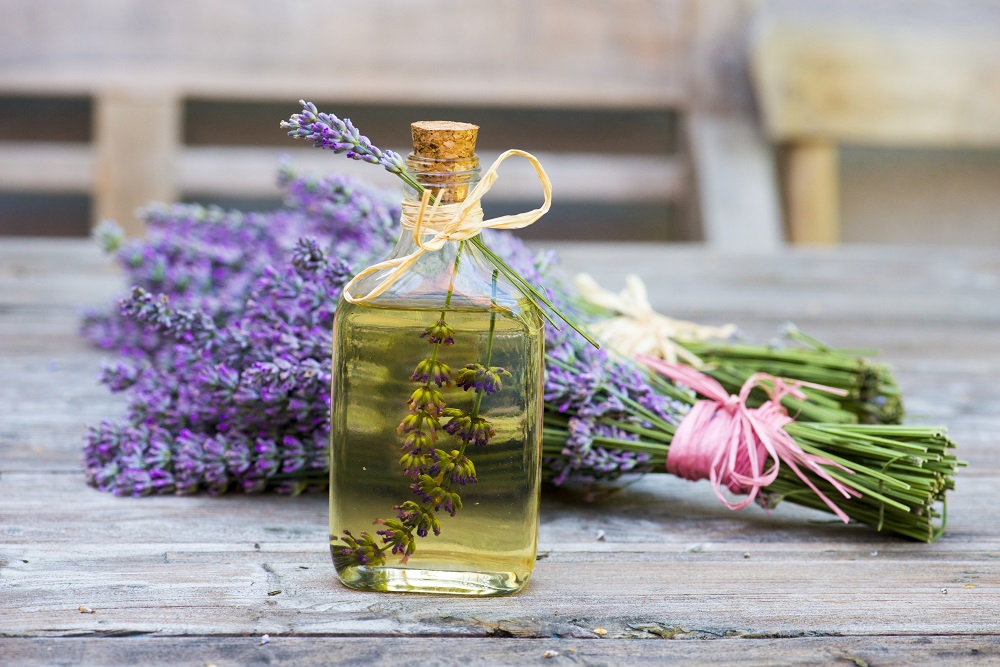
{"x": 575, "y": 177}
{"x": 30, "y": 166}
{"x": 127, "y": 53}
{"x": 737, "y": 185}
{"x": 555, "y": 53}
{"x": 659, "y": 517}
{"x": 812, "y": 192}
{"x": 137, "y": 136}
{"x": 515, "y": 652}
{"x": 181, "y": 566}
{"x": 898, "y": 73}
{"x": 252, "y": 172}
{"x": 171, "y": 589}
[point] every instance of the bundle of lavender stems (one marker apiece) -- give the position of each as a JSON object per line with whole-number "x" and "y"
{"x": 223, "y": 348}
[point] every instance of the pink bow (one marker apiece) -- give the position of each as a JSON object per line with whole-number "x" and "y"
{"x": 723, "y": 440}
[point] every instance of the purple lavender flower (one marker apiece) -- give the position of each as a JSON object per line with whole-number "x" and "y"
{"x": 360, "y": 550}
{"x": 427, "y": 400}
{"x": 454, "y": 466}
{"x": 431, "y": 371}
{"x": 440, "y": 333}
{"x": 419, "y": 423}
{"x": 474, "y": 430}
{"x": 327, "y": 131}
{"x": 208, "y": 259}
{"x": 120, "y": 375}
{"x": 422, "y": 520}
{"x": 436, "y": 496}
{"x": 420, "y": 442}
{"x": 189, "y": 462}
{"x": 481, "y": 379}
{"x": 415, "y": 462}
{"x": 597, "y": 393}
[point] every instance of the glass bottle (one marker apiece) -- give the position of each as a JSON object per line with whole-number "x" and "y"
{"x": 435, "y": 488}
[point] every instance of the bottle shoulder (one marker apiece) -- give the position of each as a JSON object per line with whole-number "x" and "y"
{"x": 455, "y": 278}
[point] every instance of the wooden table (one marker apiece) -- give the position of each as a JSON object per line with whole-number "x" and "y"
{"x": 237, "y": 580}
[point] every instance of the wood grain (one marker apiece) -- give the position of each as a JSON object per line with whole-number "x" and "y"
{"x": 738, "y": 195}
{"x": 896, "y": 73}
{"x": 137, "y": 138}
{"x": 502, "y": 651}
{"x": 622, "y": 178}
{"x": 556, "y": 53}
{"x": 67, "y": 166}
{"x": 812, "y": 193}
{"x": 198, "y": 580}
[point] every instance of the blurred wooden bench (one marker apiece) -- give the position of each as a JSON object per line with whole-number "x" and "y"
{"x": 890, "y": 73}
{"x": 140, "y": 61}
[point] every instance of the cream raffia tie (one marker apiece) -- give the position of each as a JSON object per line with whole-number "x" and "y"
{"x": 450, "y": 222}
{"x": 638, "y": 329}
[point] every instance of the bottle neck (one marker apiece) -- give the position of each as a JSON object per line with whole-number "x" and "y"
{"x": 449, "y": 180}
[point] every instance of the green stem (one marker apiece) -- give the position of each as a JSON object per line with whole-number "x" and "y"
{"x": 447, "y": 297}
{"x": 451, "y": 283}
{"x": 489, "y": 354}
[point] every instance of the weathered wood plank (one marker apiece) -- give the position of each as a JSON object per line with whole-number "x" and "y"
{"x": 736, "y": 180}
{"x": 622, "y": 178}
{"x": 737, "y": 185}
{"x": 252, "y": 172}
{"x": 873, "y": 283}
{"x": 853, "y": 72}
{"x": 812, "y": 192}
{"x": 441, "y": 651}
{"x": 141, "y": 60}
{"x": 920, "y": 286}
{"x": 632, "y": 54}
{"x": 656, "y": 514}
{"x": 210, "y": 589}
{"x": 137, "y": 138}
{"x": 67, "y": 167}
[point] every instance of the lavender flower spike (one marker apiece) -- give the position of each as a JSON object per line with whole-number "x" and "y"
{"x": 327, "y": 131}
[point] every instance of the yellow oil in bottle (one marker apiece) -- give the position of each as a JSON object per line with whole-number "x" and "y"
{"x": 488, "y": 547}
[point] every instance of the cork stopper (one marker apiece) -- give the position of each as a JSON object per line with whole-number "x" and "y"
{"x": 444, "y": 158}
{"x": 444, "y": 139}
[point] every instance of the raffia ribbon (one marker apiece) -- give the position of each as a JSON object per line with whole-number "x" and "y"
{"x": 723, "y": 440}
{"x": 638, "y": 329}
{"x": 450, "y": 222}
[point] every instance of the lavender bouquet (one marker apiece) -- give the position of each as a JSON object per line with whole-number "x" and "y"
{"x": 226, "y": 368}
{"x": 224, "y": 346}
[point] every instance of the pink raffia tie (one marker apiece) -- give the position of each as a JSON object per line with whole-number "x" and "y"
{"x": 726, "y": 442}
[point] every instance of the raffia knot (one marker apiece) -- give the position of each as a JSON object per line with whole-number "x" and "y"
{"x": 725, "y": 441}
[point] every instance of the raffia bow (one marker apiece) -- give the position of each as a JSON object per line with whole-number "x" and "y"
{"x": 638, "y": 329}
{"x": 723, "y": 440}
{"x": 450, "y": 222}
